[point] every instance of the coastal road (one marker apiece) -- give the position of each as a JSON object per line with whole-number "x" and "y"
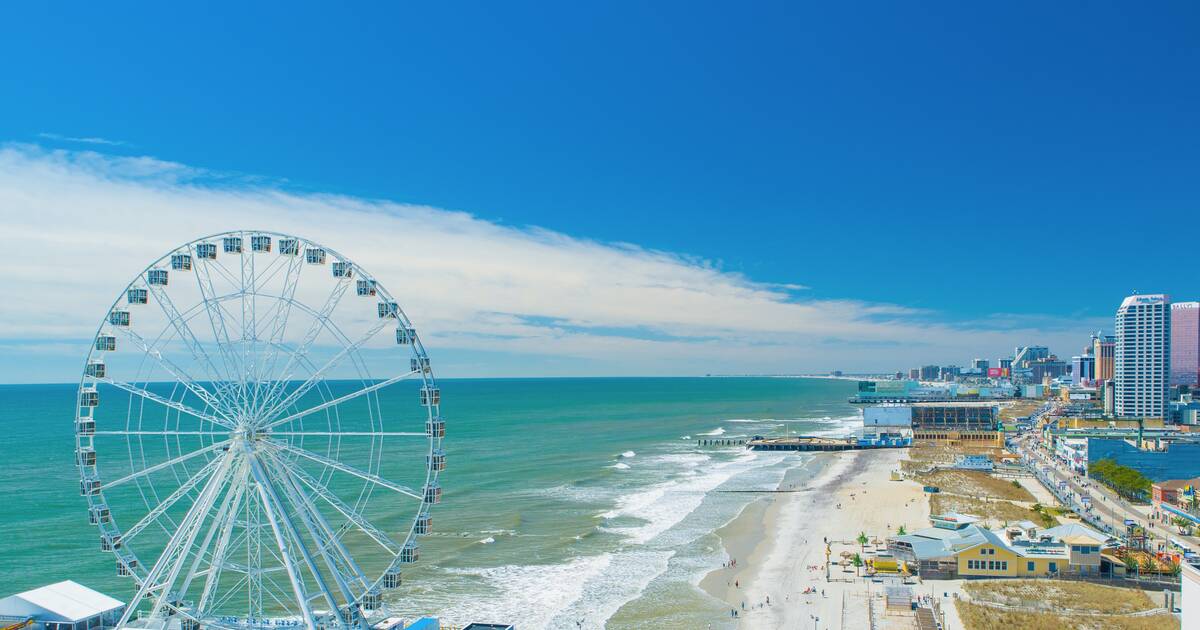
{"x": 1106, "y": 506}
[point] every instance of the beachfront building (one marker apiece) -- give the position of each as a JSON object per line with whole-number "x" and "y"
{"x": 958, "y": 547}
{"x": 1142, "y": 356}
{"x": 1185, "y": 343}
{"x": 1176, "y": 498}
{"x": 967, "y": 421}
{"x": 65, "y": 605}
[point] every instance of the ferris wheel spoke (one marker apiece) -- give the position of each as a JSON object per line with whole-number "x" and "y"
{"x": 283, "y": 312}
{"x": 167, "y": 464}
{"x": 161, "y": 433}
{"x": 341, "y": 399}
{"x": 365, "y": 526}
{"x": 185, "y": 334}
{"x": 316, "y": 377}
{"x": 171, "y": 499}
{"x": 216, "y": 320}
{"x": 348, "y": 469}
{"x": 320, "y": 321}
{"x": 180, "y": 375}
{"x": 352, "y": 433}
{"x": 166, "y": 402}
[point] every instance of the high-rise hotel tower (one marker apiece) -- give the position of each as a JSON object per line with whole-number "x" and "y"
{"x": 1142, "y": 357}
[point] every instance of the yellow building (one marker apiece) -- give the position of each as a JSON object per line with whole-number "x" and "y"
{"x": 958, "y": 547}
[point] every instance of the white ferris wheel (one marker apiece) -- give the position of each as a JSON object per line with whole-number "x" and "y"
{"x": 241, "y": 461}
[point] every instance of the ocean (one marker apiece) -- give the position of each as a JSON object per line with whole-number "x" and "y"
{"x": 568, "y": 503}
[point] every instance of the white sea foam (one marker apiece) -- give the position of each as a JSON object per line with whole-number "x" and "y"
{"x": 665, "y": 504}
{"x": 487, "y": 541}
{"x": 686, "y": 437}
{"x": 620, "y": 466}
{"x": 527, "y": 595}
{"x": 716, "y": 431}
{"x": 628, "y": 454}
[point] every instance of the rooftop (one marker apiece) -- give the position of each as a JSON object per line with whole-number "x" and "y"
{"x": 62, "y": 601}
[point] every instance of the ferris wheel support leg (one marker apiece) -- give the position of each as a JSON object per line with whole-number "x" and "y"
{"x": 218, "y": 558}
{"x": 323, "y": 540}
{"x": 275, "y": 514}
{"x": 202, "y": 505}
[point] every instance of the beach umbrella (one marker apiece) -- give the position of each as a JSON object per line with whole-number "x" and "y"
{"x": 846, "y": 554}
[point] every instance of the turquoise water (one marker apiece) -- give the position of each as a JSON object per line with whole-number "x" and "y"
{"x": 566, "y": 501}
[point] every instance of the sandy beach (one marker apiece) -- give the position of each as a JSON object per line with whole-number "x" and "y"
{"x": 778, "y": 546}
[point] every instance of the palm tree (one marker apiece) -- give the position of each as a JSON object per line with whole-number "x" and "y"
{"x": 858, "y": 562}
{"x": 901, "y": 531}
{"x": 862, "y": 541}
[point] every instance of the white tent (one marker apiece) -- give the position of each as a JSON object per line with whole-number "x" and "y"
{"x": 65, "y": 605}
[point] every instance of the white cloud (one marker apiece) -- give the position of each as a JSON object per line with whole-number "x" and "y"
{"x": 80, "y": 139}
{"x": 76, "y": 226}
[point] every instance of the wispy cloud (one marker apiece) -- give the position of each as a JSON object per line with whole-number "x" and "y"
{"x": 77, "y": 225}
{"x": 81, "y": 139}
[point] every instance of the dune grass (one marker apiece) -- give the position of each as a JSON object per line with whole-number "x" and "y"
{"x": 977, "y": 617}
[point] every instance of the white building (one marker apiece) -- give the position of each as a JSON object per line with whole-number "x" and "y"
{"x": 65, "y": 605}
{"x": 1142, "y": 361}
{"x": 1189, "y": 599}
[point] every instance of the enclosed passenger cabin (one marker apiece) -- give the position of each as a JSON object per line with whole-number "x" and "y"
{"x": 89, "y": 486}
{"x": 85, "y": 456}
{"x": 157, "y": 277}
{"x": 435, "y": 427}
{"x": 89, "y": 397}
{"x": 372, "y": 600}
{"x": 137, "y": 295}
{"x": 388, "y": 309}
{"x": 181, "y": 262}
{"x": 106, "y": 343}
{"x": 366, "y": 287}
{"x": 392, "y": 579}
{"x": 430, "y": 396}
{"x": 289, "y": 247}
{"x": 424, "y": 524}
{"x": 433, "y": 493}
{"x": 232, "y": 244}
{"x": 405, "y": 336}
{"x": 410, "y": 553}
{"x": 118, "y": 318}
{"x": 260, "y": 243}
{"x": 420, "y": 364}
{"x": 85, "y": 426}
{"x": 94, "y": 369}
{"x": 206, "y": 251}
{"x": 109, "y": 542}
{"x": 314, "y": 256}
{"x": 437, "y": 460}
{"x": 125, "y": 567}
{"x": 343, "y": 270}
{"x": 99, "y": 513}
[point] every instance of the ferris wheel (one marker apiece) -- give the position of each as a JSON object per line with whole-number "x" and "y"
{"x": 241, "y": 461}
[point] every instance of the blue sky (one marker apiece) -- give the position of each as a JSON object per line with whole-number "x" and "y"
{"x": 970, "y": 164}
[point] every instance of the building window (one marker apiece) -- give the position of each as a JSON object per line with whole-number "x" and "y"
{"x": 1029, "y": 566}
{"x": 1054, "y": 567}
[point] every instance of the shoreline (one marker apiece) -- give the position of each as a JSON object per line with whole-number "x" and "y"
{"x": 777, "y": 540}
